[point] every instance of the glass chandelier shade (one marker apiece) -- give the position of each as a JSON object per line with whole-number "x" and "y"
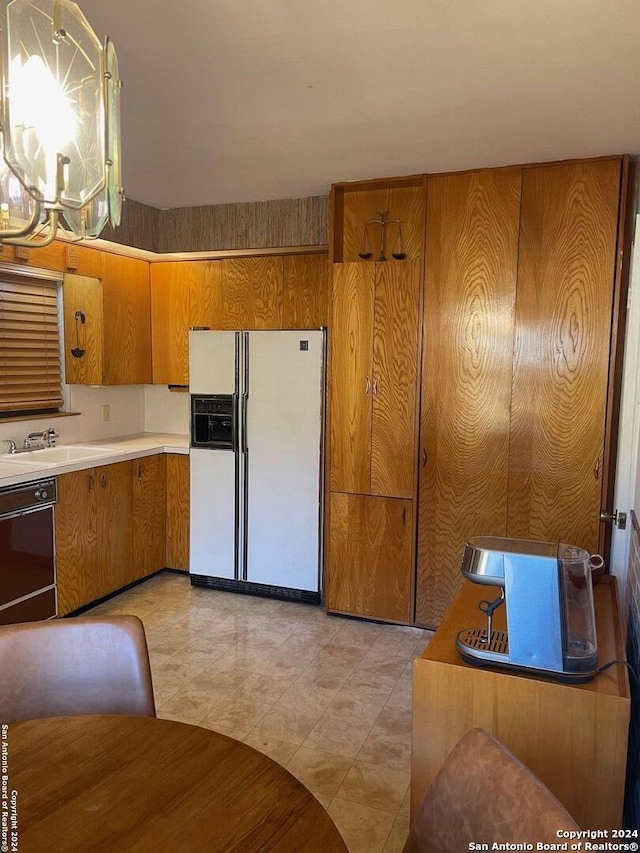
{"x": 113, "y": 85}
{"x": 58, "y": 141}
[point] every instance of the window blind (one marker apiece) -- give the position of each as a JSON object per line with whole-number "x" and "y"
{"x": 30, "y": 378}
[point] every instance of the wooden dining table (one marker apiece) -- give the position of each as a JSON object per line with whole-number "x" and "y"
{"x": 107, "y": 784}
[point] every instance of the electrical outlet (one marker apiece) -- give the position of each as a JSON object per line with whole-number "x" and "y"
{"x": 106, "y": 414}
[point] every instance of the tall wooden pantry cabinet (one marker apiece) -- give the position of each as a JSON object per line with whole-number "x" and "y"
{"x": 496, "y": 336}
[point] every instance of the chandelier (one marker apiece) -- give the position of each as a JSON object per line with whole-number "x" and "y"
{"x": 59, "y": 125}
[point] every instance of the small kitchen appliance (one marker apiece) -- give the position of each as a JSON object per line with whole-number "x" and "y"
{"x": 548, "y": 596}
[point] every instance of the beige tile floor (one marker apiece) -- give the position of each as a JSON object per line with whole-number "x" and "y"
{"x": 329, "y": 698}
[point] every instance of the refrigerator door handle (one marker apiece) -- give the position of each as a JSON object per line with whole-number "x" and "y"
{"x": 245, "y": 390}
{"x": 243, "y": 416}
{"x": 234, "y": 424}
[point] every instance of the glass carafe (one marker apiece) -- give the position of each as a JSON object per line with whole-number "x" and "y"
{"x": 579, "y": 643}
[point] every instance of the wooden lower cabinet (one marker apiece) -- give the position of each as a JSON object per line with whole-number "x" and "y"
{"x": 76, "y": 531}
{"x": 177, "y": 538}
{"x": 370, "y": 563}
{"x": 564, "y": 733}
{"x": 149, "y": 515}
{"x": 115, "y": 523}
{"x": 110, "y": 529}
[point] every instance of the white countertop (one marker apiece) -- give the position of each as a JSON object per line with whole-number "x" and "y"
{"x": 126, "y": 447}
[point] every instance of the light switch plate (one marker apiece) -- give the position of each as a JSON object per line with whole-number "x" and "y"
{"x": 106, "y": 414}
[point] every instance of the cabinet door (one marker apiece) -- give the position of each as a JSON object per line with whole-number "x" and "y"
{"x": 306, "y": 291}
{"x": 177, "y": 511}
{"x": 127, "y": 321}
{"x": 204, "y": 279}
{"x": 470, "y": 283}
{"x": 251, "y": 295}
{"x": 561, "y": 361}
{"x": 170, "y": 322}
{"x": 76, "y": 529}
{"x": 83, "y": 294}
{"x": 395, "y": 376}
{"x": 350, "y": 377}
{"x": 115, "y": 517}
{"x": 149, "y": 515}
{"x": 370, "y": 563}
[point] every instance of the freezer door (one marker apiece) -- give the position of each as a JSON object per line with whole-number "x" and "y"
{"x": 283, "y": 440}
{"x": 213, "y": 513}
{"x": 213, "y": 362}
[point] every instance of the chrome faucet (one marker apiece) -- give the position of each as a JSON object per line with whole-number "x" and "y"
{"x": 43, "y": 439}
{"x": 49, "y": 436}
{"x": 34, "y": 441}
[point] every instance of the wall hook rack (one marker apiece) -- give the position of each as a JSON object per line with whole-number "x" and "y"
{"x": 397, "y": 250}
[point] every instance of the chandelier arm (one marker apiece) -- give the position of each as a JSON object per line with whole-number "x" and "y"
{"x": 9, "y": 233}
{"x": 53, "y": 223}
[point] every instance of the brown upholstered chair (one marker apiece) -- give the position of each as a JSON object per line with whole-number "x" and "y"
{"x": 483, "y": 793}
{"x": 65, "y": 667}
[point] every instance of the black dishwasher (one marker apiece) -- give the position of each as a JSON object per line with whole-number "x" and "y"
{"x": 27, "y": 562}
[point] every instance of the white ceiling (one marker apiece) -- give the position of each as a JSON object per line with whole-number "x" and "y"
{"x": 247, "y": 100}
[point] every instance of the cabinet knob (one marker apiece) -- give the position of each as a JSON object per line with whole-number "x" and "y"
{"x": 91, "y": 483}
{"x": 103, "y": 481}
{"x": 367, "y": 387}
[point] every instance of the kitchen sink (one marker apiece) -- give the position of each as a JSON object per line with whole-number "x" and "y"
{"x": 57, "y": 455}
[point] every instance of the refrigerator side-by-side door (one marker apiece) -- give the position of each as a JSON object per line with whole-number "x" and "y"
{"x": 213, "y": 513}
{"x": 214, "y": 472}
{"x": 283, "y": 439}
{"x": 213, "y": 360}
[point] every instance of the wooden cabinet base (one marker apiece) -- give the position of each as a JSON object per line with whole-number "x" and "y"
{"x": 370, "y": 557}
{"x": 573, "y": 737}
{"x": 177, "y": 513}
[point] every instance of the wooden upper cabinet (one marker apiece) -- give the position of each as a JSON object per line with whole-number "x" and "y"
{"x": 238, "y": 293}
{"x": 374, "y": 366}
{"x": 83, "y": 261}
{"x": 351, "y": 369}
{"x": 470, "y": 286}
{"x": 306, "y": 291}
{"x": 566, "y": 273}
{"x": 395, "y": 378}
{"x": 127, "y": 320}
{"x": 251, "y": 294}
{"x": 170, "y": 321}
{"x": 116, "y": 332}
{"x": 51, "y": 257}
{"x": 83, "y": 325}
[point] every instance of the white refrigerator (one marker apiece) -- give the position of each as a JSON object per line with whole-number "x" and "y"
{"x": 256, "y": 461}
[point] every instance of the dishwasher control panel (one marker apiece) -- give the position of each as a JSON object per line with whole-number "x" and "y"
{"x": 27, "y": 497}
